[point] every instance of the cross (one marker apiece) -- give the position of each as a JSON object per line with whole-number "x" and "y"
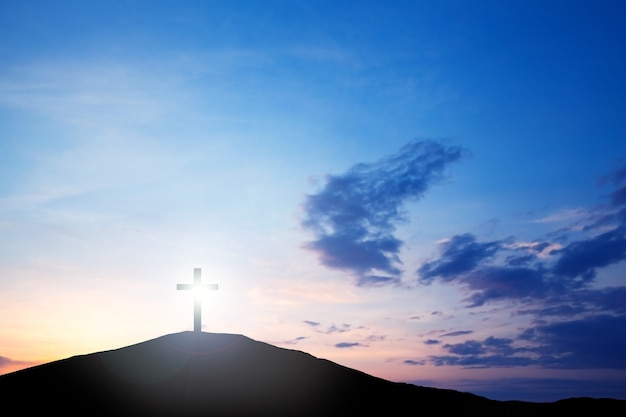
{"x": 197, "y": 286}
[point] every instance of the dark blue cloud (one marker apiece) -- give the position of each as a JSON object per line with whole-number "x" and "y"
{"x": 472, "y": 264}
{"x": 470, "y": 347}
{"x": 431, "y": 342}
{"x": 459, "y": 255}
{"x": 576, "y": 325}
{"x": 414, "y": 362}
{"x": 353, "y": 217}
{"x": 582, "y": 258}
{"x": 468, "y": 262}
{"x": 609, "y": 300}
{"x": 490, "y": 346}
{"x": 491, "y": 352}
{"x": 592, "y": 342}
{"x": 498, "y": 343}
{"x": 499, "y": 270}
{"x": 359, "y": 256}
{"x": 311, "y": 323}
{"x": 557, "y": 309}
{"x": 457, "y": 333}
{"x": 498, "y": 283}
{"x": 345, "y": 345}
{"x": 482, "y": 361}
{"x": 596, "y": 338}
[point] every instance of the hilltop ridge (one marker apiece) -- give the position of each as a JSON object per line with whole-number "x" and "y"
{"x": 192, "y": 373}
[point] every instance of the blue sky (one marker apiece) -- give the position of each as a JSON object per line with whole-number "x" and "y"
{"x": 426, "y": 191}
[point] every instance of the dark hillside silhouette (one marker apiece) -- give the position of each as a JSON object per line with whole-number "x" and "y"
{"x": 193, "y": 373}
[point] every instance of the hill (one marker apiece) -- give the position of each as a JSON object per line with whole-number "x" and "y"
{"x": 230, "y": 375}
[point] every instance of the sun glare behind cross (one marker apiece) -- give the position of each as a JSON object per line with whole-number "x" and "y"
{"x": 198, "y": 288}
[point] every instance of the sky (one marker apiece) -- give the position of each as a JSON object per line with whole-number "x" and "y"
{"x": 429, "y": 192}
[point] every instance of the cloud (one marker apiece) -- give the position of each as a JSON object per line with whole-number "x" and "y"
{"x": 431, "y": 342}
{"x": 497, "y": 283}
{"x": 8, "y": 364}
{"x": 476, "y": 266}
{"x": 414, "y": 362}
{"x": 491, "y": 352}
{"x": 611, "y": 299}
{"x": 577, "y": 322}
{"x": 497, "y": 270}
{"x": 347, "y": 345}
{"x": 470, "y": 347}
{"x": 457, "y": 333}
{"x": 594, "y": 339}
{"x": 582, "y": 258}
{"x": 478, "y": 361}
{"x": 353, "y": 217}
{"x": 4, "y": 361}
{"x": 597, "y": 341}
{"x": 563, "y": 216}
{"x": 296, "y": 340}
{"x": 333, "y": 328}
{"x": 345, "y": 327}
{"x": 459, "y": 255}
{"x": 375, "y": 338}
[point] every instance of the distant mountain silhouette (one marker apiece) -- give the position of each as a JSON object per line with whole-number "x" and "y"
{"x": 231, "y": 375}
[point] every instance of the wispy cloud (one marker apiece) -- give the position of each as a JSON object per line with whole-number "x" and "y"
{"x": 86, "y": 93}
{"x": 9, "y": 365}
{"x": 296, "y": 340}
{"x": 458, "y": 333}
{"x": 567, "y": 215}
{"x": 354, "y": 216}
{"x": 333, "y": 328}
{"x": 347, "y": 345}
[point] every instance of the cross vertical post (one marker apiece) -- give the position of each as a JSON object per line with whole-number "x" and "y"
{"x": 197, "y": 288}
{"x": 197, "y": 301}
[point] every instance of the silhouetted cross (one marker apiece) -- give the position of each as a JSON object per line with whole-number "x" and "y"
{"x": 197, "y": 288}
